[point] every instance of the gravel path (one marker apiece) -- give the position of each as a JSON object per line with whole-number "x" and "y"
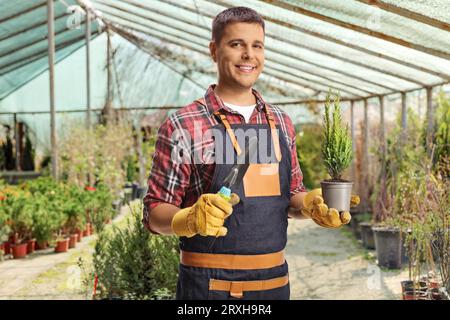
{"x": 45, "y": 275}
{"x": 330, "y": 264}
{"x": 323, "y": 263}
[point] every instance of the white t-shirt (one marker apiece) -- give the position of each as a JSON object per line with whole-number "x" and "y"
{"x": 246, "y": 111}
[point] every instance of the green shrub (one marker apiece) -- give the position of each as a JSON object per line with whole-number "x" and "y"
{"x": 100, "y": 209}
{"x": 310, "y": 157}
{"x": 46, "y": 218}
{"x": 131, "y": 263}
{"x": 336, "y": 142}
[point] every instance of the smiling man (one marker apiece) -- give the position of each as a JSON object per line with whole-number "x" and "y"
{"x": 231, "y": 248}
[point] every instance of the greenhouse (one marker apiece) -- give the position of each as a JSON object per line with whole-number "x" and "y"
{"x": 358, "y": 90}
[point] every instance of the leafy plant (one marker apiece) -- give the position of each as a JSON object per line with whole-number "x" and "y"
{"x": 417, "y": 199}
{"x": 99, "y": 155}
{"x": 441, "y": 157}
{"x": 131, "y": 263}
{"x": 100, "y": 208}
{"x": 20, "y": 220}
{"x": 4, "y": 218}
{"x": 309, "y": 156}
{"x": 46, "y": 218}
{"x": 337, "y": 150}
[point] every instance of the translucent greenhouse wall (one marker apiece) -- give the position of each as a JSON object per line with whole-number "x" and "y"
{"x": 139, "y": 80}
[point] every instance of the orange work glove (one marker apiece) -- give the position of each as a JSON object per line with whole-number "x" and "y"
{"x": 206, "y": 217}
{"x": 315, "y": 208}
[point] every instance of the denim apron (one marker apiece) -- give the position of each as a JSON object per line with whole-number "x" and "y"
{"x": 258, "y": 224}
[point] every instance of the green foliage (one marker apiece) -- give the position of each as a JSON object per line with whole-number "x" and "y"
{"x": 96, "y": 156}
{"x": 4, "y": 216}
{"x": 20, "y": 220}
{"x": 132, "y": 263}
{"x": 132, "y": 169}
{"x": 310, "y": 157}
{"x": 43, "y": 208}
{"x": 417, "y": 199}
{"x": 337, "y": 150}
{"x": 407, "y": 166}
{"x": 46, "y": 220}
{"x": 100, "y": 206}
{"x": 148, "y": 148}
{"x": 441, "y": 157}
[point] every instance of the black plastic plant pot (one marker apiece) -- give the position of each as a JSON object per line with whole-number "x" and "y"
{"x": 355, "y": 228}
{"x": 337, "y": 194}
{"x": 135, "y": 187}
{"x": 367, "y": 235}
{"x": 141, "y": 192}
{"x": 415, "y": 295}
{"x": 408, "y": 285}
{"x": 388, "y": 246}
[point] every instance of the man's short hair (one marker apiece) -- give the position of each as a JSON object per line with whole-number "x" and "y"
{"x": 233, "y": 15}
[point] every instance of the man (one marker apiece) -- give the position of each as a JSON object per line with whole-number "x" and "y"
{"x": 235, "y": 248}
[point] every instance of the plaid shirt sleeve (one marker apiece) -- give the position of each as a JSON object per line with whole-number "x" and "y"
{"x": 168, "y": 179}
{"x": 297, "y": 175}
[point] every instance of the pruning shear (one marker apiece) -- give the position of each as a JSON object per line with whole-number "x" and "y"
{"x": 238, "y": 170}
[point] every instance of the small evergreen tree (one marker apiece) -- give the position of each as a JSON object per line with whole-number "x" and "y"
{"x": 337, "y": 150}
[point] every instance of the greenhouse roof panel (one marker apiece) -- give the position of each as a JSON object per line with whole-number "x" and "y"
{"x": 362, "y": 48}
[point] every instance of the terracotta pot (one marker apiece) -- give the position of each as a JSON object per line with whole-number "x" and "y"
{"x": 19, "y": 250}
{"x": 433, "y": 284}
{"x": 89, "y": 228}
{"x": 7, "y": 247}
{"x": 31, "y": 244}
{"x": 73, "y": 240}
{"x": 62, "y": 246}
{"x": 80, "y": 235}
{"x": 41, "y": 245}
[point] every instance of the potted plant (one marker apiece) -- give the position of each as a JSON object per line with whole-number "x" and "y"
{"x": 101, "y": 207}
{"x": 62, "y": 244}
{"x": 73, "y": 238}
{"x": 72, "y": 210}
{"x": 400, "y": 198}
{"x": 365, "y": 226}
{"x": 46, "y": 220}
{"x": 337, "y": 155}
{"x": 21, "y": 222}
{"x": 5, "y": 229}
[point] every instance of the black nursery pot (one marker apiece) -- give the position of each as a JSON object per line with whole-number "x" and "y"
{"x": 367, "y": 235}
{"x": 142, "y": 191}
{"x": 388, "y": 247}
{"x": 354, "y": 225}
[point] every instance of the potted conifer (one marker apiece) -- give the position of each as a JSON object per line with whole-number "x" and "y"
{"x": 337, "y": 155}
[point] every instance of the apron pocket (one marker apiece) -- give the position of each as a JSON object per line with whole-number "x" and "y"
{"x": 262, "y": 180}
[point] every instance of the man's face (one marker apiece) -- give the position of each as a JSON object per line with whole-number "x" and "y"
{"x": 240, "y": 54}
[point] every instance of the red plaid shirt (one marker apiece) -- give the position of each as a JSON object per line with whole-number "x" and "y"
{"x": 181, "y": 184}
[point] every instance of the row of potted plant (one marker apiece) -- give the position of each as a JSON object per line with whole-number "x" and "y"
{"x": 42, "y": 212}
{"x": 410, "y": 206}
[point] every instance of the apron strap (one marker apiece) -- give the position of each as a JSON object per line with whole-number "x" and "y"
{"x": 273, "y": 129}
{"x": 234, "y": 141}
{"x": 270, "y": 120}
